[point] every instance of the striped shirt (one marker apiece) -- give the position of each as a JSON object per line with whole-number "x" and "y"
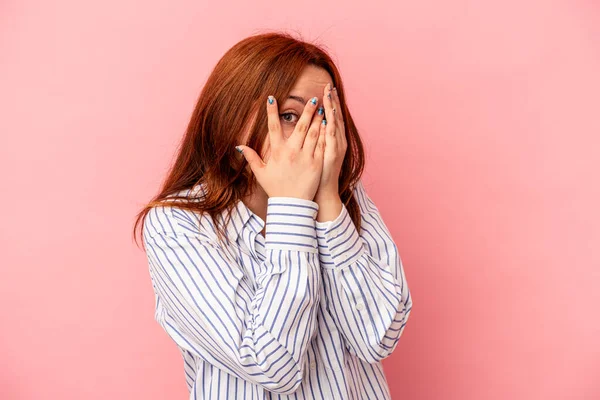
{"x": 307, "y": 311}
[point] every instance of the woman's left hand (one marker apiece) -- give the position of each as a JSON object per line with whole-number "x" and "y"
{"x": 335, "y": 148}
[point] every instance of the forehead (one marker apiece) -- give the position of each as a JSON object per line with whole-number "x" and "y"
{"x": 311, "y": 79}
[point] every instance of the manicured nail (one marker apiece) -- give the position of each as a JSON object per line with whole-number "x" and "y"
{"x": 335, "y": 89}
{"x": 324, "y": 122}
{"x": 238, "y": 148}
{"x": 329, "y": 87}
{"x": 271, "y": 99}
{"x": 329, "y": 95}
{"x": 320, "y": 110}
{"x": 313, "y": 100}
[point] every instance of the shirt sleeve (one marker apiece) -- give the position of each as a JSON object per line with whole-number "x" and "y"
{"x": 363, "y": 279}
{"x": 208, "y": 307}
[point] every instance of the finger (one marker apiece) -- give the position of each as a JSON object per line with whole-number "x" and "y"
{"x": 336, "y": 103}
{"x": 275, "y": 132}
{"x": 267, "y": 150}
{"x": 331, "y": 144}
{"x": 296, "y": 139}
{"x": 313, "y": 131}
{"x": 340, "y": 127}
{"x": 320, "y": 148}
{"x": 329, "y": 115}
{"x": 337, "y": 109}
{"x": 256, "y": 163}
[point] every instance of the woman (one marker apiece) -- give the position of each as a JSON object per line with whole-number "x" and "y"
{"x": 274, "y": 273}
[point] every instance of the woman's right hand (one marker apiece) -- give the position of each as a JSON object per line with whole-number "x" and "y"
{"x": 295, "y": 164}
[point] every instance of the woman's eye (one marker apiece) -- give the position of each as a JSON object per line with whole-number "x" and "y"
{"x": 289, "y": 117}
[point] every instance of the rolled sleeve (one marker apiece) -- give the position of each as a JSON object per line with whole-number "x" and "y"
{"x": 290, "y": 224}
{"x": 338, "y": 240}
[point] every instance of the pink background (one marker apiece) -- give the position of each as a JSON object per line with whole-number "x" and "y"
{"x": 481, "y": 121}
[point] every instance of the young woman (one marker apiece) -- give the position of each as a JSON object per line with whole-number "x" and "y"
{"x": 274, "y": 274}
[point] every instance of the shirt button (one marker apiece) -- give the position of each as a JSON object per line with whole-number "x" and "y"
{"x": 360, "y": 306}
{"x": 313, "y": 365}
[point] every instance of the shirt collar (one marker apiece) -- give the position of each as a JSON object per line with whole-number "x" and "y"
{"x": 242, "y": 219}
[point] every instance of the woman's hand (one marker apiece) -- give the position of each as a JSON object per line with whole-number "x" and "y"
{"x": 295, "y": 164}
{"x": 335, "y": 150}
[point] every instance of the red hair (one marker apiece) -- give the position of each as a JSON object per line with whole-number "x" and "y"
{"x": 235, "y": 92}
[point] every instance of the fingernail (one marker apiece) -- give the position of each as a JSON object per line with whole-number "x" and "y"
{"x": 329, "y": 87}
{"x": 335, "y": 89}
{"x": 324, "y": 122}
{"x": 271, "y": 99}
{"x": 313, "y": 100}
{"x": 329, "y": 95}
{"x": 320, "y": 111}
{"x": 238, "y": 148}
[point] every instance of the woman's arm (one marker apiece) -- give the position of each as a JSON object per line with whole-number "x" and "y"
{"x": 365, "y": 288}
{"x": 206, "y": 305}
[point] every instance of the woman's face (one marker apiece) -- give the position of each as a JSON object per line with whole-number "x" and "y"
{"x": 311, "y": 83}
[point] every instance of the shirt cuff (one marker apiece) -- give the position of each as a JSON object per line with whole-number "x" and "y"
{"x": 339, "y": 242}
{"x": 290, "y": 224}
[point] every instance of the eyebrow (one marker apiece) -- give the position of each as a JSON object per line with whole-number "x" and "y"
{"x": 298, "y": 98}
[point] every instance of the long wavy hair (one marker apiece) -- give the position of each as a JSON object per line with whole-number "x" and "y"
{"x": 234, "y": 93}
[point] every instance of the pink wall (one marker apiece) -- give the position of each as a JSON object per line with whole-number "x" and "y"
{"x": 481, "y": 121}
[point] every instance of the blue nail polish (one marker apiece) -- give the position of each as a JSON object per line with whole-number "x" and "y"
{"x": 324, "y": 122}
{"x": 313, "y": 100}
{"x": 320, "y": 110}
{"x": 271, "y": 99}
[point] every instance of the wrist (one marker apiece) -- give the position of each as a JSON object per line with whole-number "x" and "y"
{"x": 329, "y": 208}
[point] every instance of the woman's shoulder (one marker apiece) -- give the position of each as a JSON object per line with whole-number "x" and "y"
{"x": 171, "y": 219}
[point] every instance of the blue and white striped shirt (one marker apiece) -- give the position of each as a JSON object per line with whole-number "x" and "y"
{"x": 307, "y": 311}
